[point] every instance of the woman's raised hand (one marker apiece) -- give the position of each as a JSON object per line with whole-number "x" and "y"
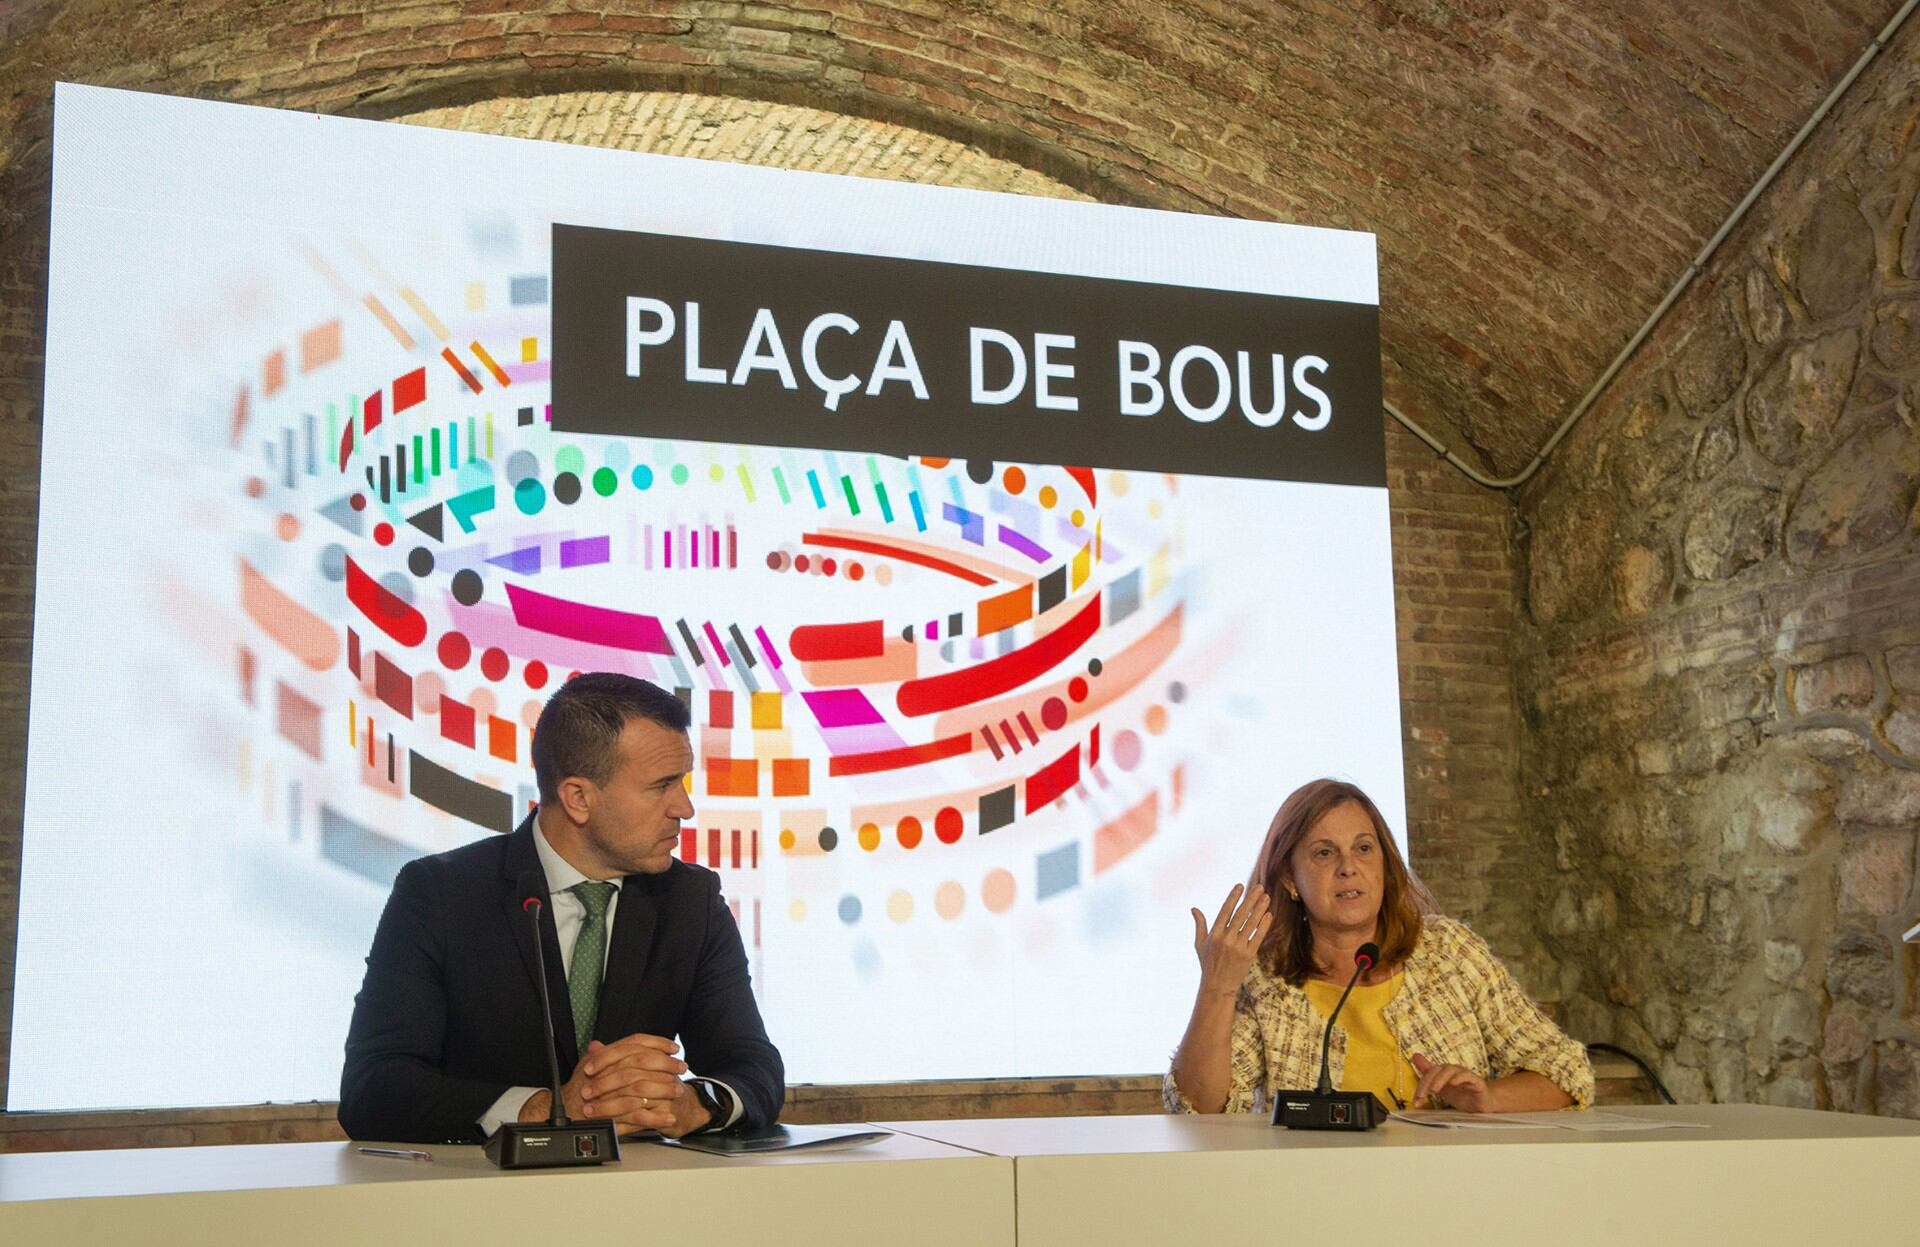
{"x": 1227, "y": 949}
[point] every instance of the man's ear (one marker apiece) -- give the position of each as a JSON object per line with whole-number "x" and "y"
{"x": 576, "y": 798}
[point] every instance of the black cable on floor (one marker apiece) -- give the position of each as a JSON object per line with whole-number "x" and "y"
{"x": 1644, "y": 1068}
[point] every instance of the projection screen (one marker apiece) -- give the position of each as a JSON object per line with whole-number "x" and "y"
{"x": 1014, "y": 556}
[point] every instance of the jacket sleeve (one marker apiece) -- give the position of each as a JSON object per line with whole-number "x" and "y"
{"x": 391, "y": 1086}
{"x": 1521, "y": 1037}
{"x": 721, "y": 1031}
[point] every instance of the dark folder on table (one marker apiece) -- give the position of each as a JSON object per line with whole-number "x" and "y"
{"x": 775, "y": 1139}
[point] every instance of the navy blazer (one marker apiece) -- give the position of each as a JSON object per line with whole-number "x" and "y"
{"x": 448, "y": 1017}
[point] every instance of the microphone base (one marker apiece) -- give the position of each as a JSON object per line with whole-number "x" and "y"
{"x": 541, "y": 1145}
{"x": 1329, "y": 1110}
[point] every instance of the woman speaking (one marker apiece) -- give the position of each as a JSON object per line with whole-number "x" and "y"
{"x": 1437, "y": 1021}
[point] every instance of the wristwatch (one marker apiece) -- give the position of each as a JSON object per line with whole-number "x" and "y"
{"x": 716, "y": 1099}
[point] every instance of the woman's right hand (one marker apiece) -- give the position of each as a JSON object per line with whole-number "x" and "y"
{"x": 1228, "y": 948}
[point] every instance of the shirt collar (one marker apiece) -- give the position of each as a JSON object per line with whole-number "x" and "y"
{"x": 559, "y": 871}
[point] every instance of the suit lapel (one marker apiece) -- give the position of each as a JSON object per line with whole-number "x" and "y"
{"x": 627, "y": 951}
{"x": 521, "y": 857}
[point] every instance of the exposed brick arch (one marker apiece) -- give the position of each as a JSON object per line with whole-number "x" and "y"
{"x": 1536, "y": 171}
{"x": 729, "y": 128}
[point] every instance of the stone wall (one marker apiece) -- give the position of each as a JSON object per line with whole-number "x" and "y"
{"x": 1719, "y": 661}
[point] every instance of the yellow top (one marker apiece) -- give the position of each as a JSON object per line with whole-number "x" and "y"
{"x": 1374, "y": 1060}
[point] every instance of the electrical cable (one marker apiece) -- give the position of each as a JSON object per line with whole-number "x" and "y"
{"x": 1644, "y": 1068}
{"x": 1693, "y": 270}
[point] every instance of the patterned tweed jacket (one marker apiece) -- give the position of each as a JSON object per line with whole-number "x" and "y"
{"x": 1456, "y": 1006}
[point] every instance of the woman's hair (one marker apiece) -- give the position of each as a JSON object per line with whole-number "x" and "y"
{"x": 1288, "y": 949}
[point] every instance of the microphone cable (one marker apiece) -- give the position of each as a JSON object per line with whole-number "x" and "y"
{"x": 1643, "y": 1066}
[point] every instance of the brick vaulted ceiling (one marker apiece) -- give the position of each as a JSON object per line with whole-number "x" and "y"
{"x": 1538, "y": 171}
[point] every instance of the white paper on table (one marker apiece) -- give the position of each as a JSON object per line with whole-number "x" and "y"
{"x": 1454, "y": 1119}
{"x": 1589, "y": 1121}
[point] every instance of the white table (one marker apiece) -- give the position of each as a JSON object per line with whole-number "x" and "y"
{"x": 901, "y": 1189}
{"x": 1756, "y": 1175}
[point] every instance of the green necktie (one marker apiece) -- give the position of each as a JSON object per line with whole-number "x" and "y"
{"x": 589, "y": 958}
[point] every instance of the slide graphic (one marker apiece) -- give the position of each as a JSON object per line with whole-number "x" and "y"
{"x": 317, "y": 541}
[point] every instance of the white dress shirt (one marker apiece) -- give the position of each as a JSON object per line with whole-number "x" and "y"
{"x": 568, "y": 913}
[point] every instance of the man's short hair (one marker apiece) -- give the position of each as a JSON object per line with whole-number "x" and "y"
{"x": 579, "y": 730}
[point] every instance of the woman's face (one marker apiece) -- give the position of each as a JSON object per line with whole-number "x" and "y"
{"x": 1339, "y": 867}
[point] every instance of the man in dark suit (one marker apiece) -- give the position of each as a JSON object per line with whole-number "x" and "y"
{"x": 447, "y": 1040}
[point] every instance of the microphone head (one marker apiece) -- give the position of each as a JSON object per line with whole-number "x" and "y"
{"x": 532, "y": 886}
{"x": 1366, "y": 955}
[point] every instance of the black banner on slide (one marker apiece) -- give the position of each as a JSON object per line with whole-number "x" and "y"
{"x": 664, "y": 336}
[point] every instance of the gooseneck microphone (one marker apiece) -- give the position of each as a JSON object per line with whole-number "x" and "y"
{"x": 1323, "y": 1108}
{"x": 531, "y": 905}
{"x": 556, "y": 1142}
{"x": 1363, "y": 959}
